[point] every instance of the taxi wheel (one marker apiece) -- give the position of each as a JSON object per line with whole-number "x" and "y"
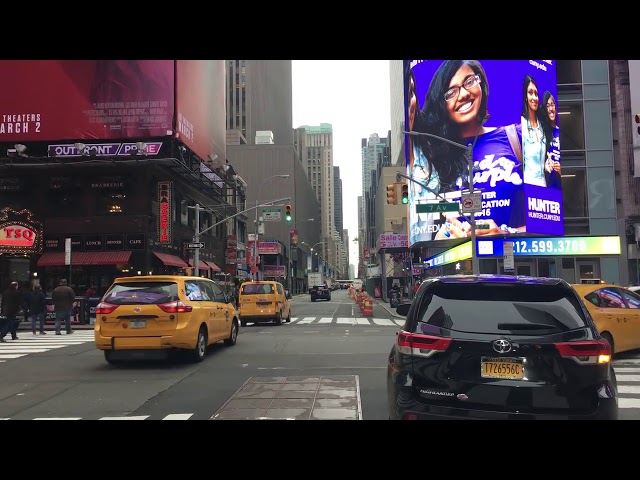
{"x": 607, "y": 336}
{"x": 278, "y": 319}
{"x": 198, "y": 353}
{"x": 233, "y": 336}
{"x": 108, "y": 356}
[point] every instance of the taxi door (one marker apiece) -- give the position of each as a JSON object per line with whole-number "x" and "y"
{"x": 211, "y": 306}
{"x": 201, "y": 307}
{"x": 615, "y": 311}
{"x": 224, "y": 315}
{"x": 632, "y": 300}
{"x": 282, "y": 298}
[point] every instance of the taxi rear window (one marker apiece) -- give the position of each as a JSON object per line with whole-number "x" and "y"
{"x": 257, "y": 289}
{"x": 132, "y": 293}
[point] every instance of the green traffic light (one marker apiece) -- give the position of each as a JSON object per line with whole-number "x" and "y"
{"x": 288, "y": 217}
{"x": 405, "y": 200}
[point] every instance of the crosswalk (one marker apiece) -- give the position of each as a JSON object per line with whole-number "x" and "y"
{"x": 27, "y": 343}
{"x": 171, "y": 416}
{"x": 348, "y": 321}
{"x": 628, "y": 378}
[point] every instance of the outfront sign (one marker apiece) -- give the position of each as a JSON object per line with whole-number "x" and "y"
{"x": 101, "y": 149}
{"x": 19, "y": 233}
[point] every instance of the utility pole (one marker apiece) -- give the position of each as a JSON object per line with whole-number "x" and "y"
{"x": 196, "y": 239}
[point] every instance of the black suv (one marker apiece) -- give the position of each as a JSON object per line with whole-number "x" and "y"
{"x": 320, "y": 291}
{"x": 499, "y": 347}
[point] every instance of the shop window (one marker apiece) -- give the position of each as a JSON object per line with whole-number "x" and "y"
{"x": 574, "y": 192}
{"x": 571, "y": 123}
{"x": 568, "y": 71}
{"x": 114, "y": 203}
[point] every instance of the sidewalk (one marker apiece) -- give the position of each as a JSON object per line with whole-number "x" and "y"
{"x": 26, "y": 326}
{"x": 389, "y": 310}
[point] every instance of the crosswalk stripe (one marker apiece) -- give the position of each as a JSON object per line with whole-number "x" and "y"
{"x": 628, "y": 402}
{"x": 382, "y": 321}
{"x": 294, "y": 319}
{"x": 325, "y": 320}
{"x": 349, "y": 321}
{"x": 140, "y": 417}
{"x": 362, "y": 321}
{"x": 59, "y": 418}
{"x": 178, "y": 416}
{"x": 625, "y": 377}
{"x": 400, "y": 323}
{"x": 24, "y": 350}
{"x": 12, "y": 356}
{"x": 307, "y": 320}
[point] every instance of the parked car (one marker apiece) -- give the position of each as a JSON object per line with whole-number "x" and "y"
{"x": 499, "y": 347}
{"x": 163, "y": 312}
{"x": 263, "y": 301}
{"x": 320, "y": 291}
{"x": 616, "y": 313}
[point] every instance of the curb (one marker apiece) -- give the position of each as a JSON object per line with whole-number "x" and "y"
{"x": 391, "y": 312}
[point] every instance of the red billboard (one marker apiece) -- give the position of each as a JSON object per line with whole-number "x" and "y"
{"x": 53, "y": 100}
{"x": 200, "y": 107}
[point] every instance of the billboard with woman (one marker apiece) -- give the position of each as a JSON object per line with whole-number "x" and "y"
{"x": 506, "y": 109}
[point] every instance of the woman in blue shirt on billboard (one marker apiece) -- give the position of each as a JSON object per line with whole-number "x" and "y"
{"x": 455, "y": 108}
{"x": 533, "y": 138}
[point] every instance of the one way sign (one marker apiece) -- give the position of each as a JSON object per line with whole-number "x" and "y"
{"x": 195, "y": 245}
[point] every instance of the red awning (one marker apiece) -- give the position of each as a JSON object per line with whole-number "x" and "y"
{"x": 201, "y": 265}
{"x": 213, "y": 266}
{"x": 56, "y": 259}
{"x": 170, "y": 260}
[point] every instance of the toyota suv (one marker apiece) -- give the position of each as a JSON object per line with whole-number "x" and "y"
{"x": 320, "y": 291}
{"x": 499, "y": 347}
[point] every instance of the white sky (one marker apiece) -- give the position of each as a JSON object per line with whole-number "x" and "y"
{"x": 353, "y": 96}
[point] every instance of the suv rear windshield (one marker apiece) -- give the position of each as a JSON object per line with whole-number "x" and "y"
{"x": 257, "y": 289}
{"x": 499, "y": 309}
{"x": 131, "y": 293}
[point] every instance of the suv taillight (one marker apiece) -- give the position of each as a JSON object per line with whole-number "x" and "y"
{"x": 421, "y": 345}
{"x": 175, "y": 307}
{"x": 104, "y": 308}
{"x": 587, "y": 352}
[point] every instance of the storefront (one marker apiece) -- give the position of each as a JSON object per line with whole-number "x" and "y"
{"x": 20, "y": 244}
{"x": 570, "y": 258}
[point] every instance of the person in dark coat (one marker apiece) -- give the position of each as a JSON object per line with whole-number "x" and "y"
{"x": 11, "y": 300}
{"x": 63, "y": 297}
{"x": 37, "y": 309}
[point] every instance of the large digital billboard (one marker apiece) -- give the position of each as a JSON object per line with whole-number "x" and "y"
{"x": 55, "y": 100}
{"x": 508, "y": 108}
{"x": 200, "y": 107}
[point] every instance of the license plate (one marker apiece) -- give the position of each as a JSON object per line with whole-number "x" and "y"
{"x": 502, "y": 367}
{"x": 138, "y": 324}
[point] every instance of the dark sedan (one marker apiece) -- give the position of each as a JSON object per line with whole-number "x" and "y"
{"x": 320, "y": 291}
{"x": 499, "y": 347}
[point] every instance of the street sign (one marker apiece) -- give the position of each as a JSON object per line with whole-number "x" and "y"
{"x": 271, "y": 214}
{"x": 507, "y": 257}
{"x": 195, "y": 245}
{"x": 67, "y": 251}
{"x": 437, "y": 207}
{"x": 472, "y": 202}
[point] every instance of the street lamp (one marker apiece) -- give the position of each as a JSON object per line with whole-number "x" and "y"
{"x": 468, "y": 149}
{"x": 314, "y": 246}
{"x": 255, "y": 240}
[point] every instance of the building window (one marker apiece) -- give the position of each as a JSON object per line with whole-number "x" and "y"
{"x": 574, "y": 192}
{"x": 571, "y": 124}
{"x": 115, "y": 203}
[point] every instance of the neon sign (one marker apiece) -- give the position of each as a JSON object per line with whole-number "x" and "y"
{"x": 164, "y": 212}
{"x": 19, "y": 233}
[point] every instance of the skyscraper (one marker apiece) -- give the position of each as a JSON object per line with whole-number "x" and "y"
{"x": 338, "y": 211}
{"x": 259, "y": 97}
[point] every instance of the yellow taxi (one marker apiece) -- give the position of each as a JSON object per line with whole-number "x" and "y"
{"x": 616, "y": 313}
{"x": 163, "y": 312}
{"x": 263, "y": 301}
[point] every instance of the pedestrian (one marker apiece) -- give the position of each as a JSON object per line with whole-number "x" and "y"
{"x": 11, "y": 300}
{"x": 37, "y": 308}
{"x": 63, "y": 298}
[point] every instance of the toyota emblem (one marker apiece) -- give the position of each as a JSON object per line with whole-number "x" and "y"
{"x": 138, "y": 310}
{"x": 502, "y": 345}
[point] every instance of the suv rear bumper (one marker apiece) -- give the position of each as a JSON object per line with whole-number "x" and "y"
{"x": 141, "y": 343}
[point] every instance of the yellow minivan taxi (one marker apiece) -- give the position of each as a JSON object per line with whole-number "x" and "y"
{"x": 263, "y": 301}
{"x": 164, "y": 312}
{"x": 615, "y": 311}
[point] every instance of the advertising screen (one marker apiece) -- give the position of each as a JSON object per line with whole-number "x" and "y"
{"x": 507, "y": 110}
{"x": 551, "y": 246}
{"x": 200, "y": 107}
{"x": 54, "y": 100}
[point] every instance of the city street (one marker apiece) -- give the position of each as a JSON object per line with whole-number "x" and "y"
{"x": 66, "y": 377}
{"x": 328, "y": 363}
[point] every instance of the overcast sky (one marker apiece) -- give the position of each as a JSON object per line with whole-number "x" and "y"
{"x": 353, "y": 96}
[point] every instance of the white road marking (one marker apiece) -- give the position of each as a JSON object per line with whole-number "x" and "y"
{"x": 382, "y": 321}
{"x": 325, "y": 320}
{"x": 141, "y": 417}
{"x": 306, "y": 320}
{"x": 178, "y": 416}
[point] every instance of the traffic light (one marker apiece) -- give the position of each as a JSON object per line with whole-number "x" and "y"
{"x": 392, "y": 198}
{"x": 287, "y": 213}
{"x": 638, "y": 122}
{"x": 405, "y": 193}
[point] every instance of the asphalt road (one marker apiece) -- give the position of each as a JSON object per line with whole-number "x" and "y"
{"x": 65, "y": 377}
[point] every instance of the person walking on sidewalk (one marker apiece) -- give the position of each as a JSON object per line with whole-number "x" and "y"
{"x": 63, "y": 297}
{"x": 37, "y": 308}
{"x": 11, "y": 300}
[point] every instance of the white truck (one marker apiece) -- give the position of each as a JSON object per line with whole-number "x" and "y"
{"x": 313, "y": 279}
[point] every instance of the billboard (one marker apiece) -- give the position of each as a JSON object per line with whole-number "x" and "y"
{"x": 551, "y": 246}
{"x": 200, "y": 107}
{"x": 516, "y": 154}
{"x": 54, "y": 100}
